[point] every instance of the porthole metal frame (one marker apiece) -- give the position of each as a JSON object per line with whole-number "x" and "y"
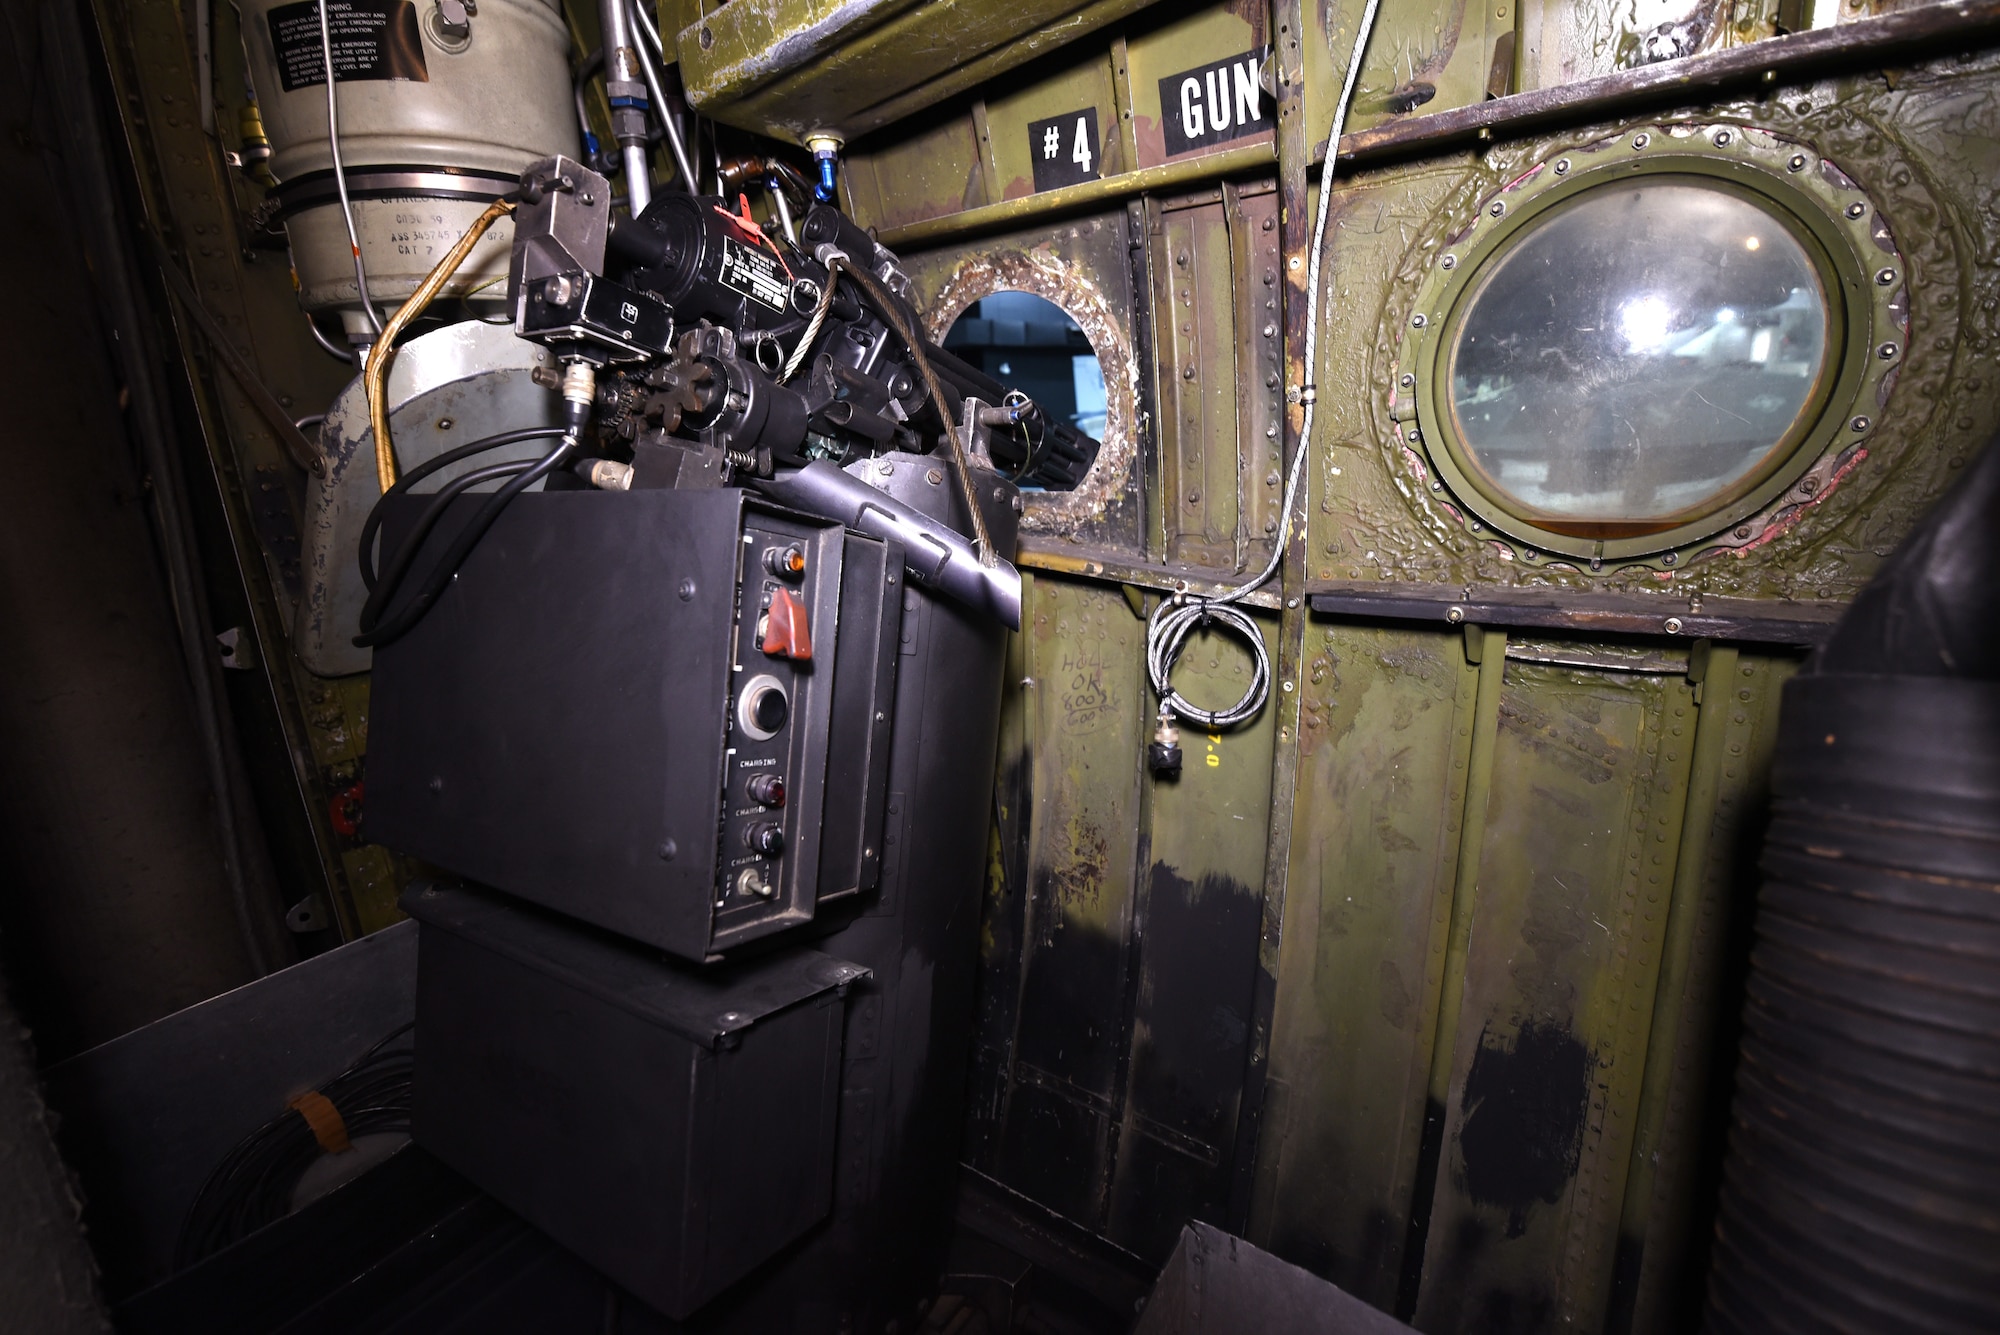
{"x": 1833, "y": 220}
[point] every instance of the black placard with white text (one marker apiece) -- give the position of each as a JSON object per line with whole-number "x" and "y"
{"x": 1065, "y": 149}
{"x": 1214, "y": 103}
{"x": 371, "y": 39}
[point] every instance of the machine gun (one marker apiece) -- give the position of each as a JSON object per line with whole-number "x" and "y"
{"x": 728, "y": 354}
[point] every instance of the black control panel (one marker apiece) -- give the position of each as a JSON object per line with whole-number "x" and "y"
{"x": 662, "y": 712}
{"x": 787, "y": 614}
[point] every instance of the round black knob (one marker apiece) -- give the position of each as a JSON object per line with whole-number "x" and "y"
{"x": 770, "y": 709}
{"x": 766, "y": 837}
{"x": 762, "y": 709}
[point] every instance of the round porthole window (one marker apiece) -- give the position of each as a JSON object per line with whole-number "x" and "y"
{"x": 1646, "y": 350}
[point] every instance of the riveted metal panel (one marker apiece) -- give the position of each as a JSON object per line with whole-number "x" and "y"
{"x": 1385, "y": 738}
{"x": 1195, "y": 340}
{"x": 1199, "y": 922}
{"x": 1662, "y": 1238}
{"x": 1083, "y": 653}
{"x": 1582, "y": 824}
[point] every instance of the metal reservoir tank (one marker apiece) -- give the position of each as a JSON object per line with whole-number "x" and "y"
{"x": 440, "y": 104}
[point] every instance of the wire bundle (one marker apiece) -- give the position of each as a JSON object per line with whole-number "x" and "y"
{"x": 377, "y": 626}
{"x": 254, "y": 1184}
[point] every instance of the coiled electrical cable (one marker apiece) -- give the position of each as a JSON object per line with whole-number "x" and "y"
{"x": 1167, "y": 630}
{"x": 427, "y": 520}
{"x": 408, "y": 481}
{"x": 255, "y": 1182}
{"x": 1178, "y": 616}
{"x": 378, "y": 627}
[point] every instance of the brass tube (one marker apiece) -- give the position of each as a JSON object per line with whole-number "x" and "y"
{"x": 376, "y": 375}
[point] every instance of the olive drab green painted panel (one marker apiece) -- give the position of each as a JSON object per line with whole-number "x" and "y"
{"x": 1124, "y": 920}
{"x": 1121, "y": 929}
{"x": 1196, "y": 342}
{"x": 1385, "y": 737}
{"x": 1422, "y": 59}
{"x": 1216, "y": 332}
{"x": 1049, "y": 125}
{"x": 794, "y": 68}
{"x": 941, "y": 173}
{"x": 1582, "y": 823}
{"x": 1061, "y": 1089}
{"x": 1199, "y": 919}
{"x": 1661, "y": 1234}
{"x": 1104, "y": 1068}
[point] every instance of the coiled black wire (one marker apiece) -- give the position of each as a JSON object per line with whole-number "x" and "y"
{"x": 408, "y": 481}
{"x": 378, "y": 626}
{"x": 254, "y": 1184}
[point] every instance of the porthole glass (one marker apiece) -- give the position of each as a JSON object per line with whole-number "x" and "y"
{"x": 1646, "y": 352}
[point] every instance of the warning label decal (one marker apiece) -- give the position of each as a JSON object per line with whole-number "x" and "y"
{"x": 371, "y": 39}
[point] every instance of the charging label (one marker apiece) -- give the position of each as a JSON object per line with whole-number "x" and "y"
{"x": 371, "y": 39}
{"x": 754, "y": 273}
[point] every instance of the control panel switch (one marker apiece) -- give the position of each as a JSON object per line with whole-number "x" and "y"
{"x": 785, "y": 632}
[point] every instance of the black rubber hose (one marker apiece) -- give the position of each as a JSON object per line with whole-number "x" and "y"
{"x": 1933, "y": 609}
{"x": 1864, "y": 1146}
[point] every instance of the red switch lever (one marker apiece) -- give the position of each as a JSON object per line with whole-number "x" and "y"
{"x": 785, "y": 632}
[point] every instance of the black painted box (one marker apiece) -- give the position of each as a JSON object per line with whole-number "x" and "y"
{"x": 671, "y": 1125}
{"x": 571, "y": 723}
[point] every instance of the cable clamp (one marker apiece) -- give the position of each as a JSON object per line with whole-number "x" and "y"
{"x": 1308, "y": 393}
{"x": 328, "y": 1128}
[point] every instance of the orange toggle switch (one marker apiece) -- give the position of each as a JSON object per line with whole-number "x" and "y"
{"x": 785, "y": 632}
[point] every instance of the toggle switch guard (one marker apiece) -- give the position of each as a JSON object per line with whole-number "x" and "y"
{"x": 786, "y": 634}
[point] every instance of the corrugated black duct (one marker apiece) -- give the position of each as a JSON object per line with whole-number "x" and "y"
{"x": 1862, "y": 1186}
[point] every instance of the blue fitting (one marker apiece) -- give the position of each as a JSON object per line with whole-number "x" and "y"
{"x": 824, "y": 191}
